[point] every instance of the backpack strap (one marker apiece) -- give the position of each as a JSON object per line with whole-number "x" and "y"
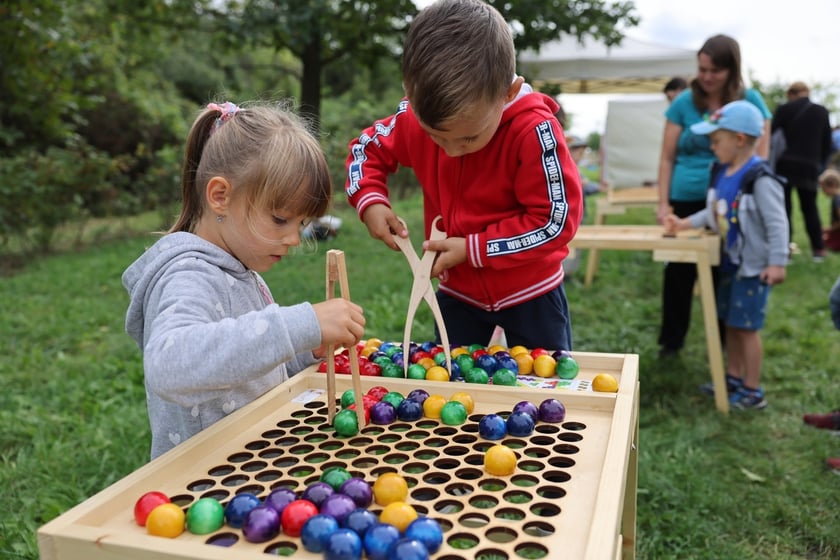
{"x": 760, "y": 169}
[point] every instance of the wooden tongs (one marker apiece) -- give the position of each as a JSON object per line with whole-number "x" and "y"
{"x": 422, "y": 289}
{"x": 337, "y": 270}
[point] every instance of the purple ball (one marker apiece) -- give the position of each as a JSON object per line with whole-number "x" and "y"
{"x": 338, "y": 506}
{"x": 418, "y": 395}
{"x": 280, "y": 498}
{"x": 261, "y": 524}
{"x": 383, "y": 413}
{"x": 317, "y": 492}
{"x": 529, "y": 407}
{"x": 552, "y": 410}
{"x": 558, "y": 354}
{"x": 359, "y": 490}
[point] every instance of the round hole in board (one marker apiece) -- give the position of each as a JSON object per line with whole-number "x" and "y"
{"x": 223, "y": 539}
{"x": 483, "y": 501}
{"x": 501, "y": 534}
{"x": 425, "y": 494}
{"x": 551, "y": 492}
{"x": 459, "y": 489}
{"x": 240, "y": 457}
{"x": 473, "y": 520}
{"x": 462, "y": 541}
{"x": 492, "y": 484}
{"x": 256, "y": 445}
{"x": 268, "y": 476}
{"x": 557, "y": 477}
{"x": 285, "y": 548}
{"x": 538, "y": 529}
{"x": 544, "y": 509}
{"x": 517, "y": 497}
{"x": 201, "y": 485}
{"x": 531, "y": 550}
{"x": 510, "y": 514}
{"x": 435, "y": 478}
{"x": 221, "y": 470}
{"x": 448, "y": 506}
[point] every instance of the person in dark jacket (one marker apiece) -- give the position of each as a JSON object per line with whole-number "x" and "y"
{"x": 807, "y": 132}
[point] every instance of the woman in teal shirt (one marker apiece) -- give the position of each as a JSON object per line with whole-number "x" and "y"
{"x": 685, "y": 164}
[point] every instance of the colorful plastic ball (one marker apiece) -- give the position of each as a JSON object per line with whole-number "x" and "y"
{"x": 455, "y": 373}
{"x": 335, "y": 477}
{"x": 348, "y": 397}
{"x": 567, "y": 368}
{"x": 477, "y": 375}
{"x": 492, "y": 426}
{"x": 529, "y": 407}
{"x": 465, "y": 362}
{"x": 166, "y": 520}
{"x": 418, "y": 395}
{"x": 388, "y": 488}
{"x": 205, "y": 516}
{"x": 394, "y": 397}
{"x": 428, "y": 346}
{"x": 500, "y": 460}
{"x": 279, "y": 498}
{"x": 408, "y": 549}
{"x": 360, "y": 520}
{"x": 315, "y": 531}
{"x": 146, "y": 503}
{"x": 377, "y": 392}
{"x": 398, "y": 514}
{"x": 359, "y": 490}
{"x": 520, "y": 424}
{"x": 416, "y": 371}
{"x": 261, "y": 524}
{"x": 346, "y": 423}
{"x": 295, "y": 515}
{"x": 343, "y": 544}
{"x": 552, "y": 410}
{"x": 393, "y": 370}
{"x": 398, "y": 358}
{"x": 382, "y": 361}
{"x": 238, "y": 507}
{"x": 437, "y": 373}
{"x": 317, "y": 493}
{"x": 410, "y": 410}
{"x": 487, "y": 362}
{"x": 379, "y": 539}
{"x": 383, "y": 413}
{"x": 385, "y": 346}
{"x": 440, "y": 358}
{"x": 453, "y": 413}
{"x": 559, "y": 354}
{"x": 504, "y": 377}
{"x": 507, "y": 362}
{"x": 427, "y": 531}
{"x": 465, "y": 399}
{"x": 474, "y": 347}
{"x": 338, "y": 506}
{"x": 433, "y": 405}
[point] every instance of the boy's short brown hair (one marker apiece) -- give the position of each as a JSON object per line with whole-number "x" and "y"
{"x": 829, "y": 177}
{"x": 456, "y": 53}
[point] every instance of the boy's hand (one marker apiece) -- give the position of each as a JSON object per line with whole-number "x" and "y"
{"x": 383, "y": 224}
{"x": 452, "y": 251}
{"x": 773, "y": 275}
{"x": 673, "y": 224}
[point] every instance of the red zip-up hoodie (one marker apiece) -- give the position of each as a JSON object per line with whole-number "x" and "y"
{"x": 517, "y": 201}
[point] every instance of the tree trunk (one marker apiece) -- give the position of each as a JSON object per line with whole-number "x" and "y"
{"x": 310, "y": 86}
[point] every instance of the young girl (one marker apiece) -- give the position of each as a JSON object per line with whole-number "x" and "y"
{"x": 212, "y": 337}
{"x": 830, "y": 184}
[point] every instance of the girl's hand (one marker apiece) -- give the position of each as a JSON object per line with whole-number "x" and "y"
{"x": 342, "y": 322}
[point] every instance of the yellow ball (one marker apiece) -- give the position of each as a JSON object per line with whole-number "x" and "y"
{"x": 605, "y": 383}
{"x": 374, "y": 342}
{"x": 496, "y": 348}
{"x": 427, "y": 363}
{"x": 432, "y": 406}
{"x": 458, "y": 351}
{"x": 166, "y": 520}
{"x": 516, "y": 350}
{"x": 398, "y": 514}
{"x": 437, "y": 373}
{"x": 465, "y": 399}
{"x": 500, "y": 460}
{"x": 525, "y": 362}
{"x": 544, "y": 365}
{"x": 388, "y": 488}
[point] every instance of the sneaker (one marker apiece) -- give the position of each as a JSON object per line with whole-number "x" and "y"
{"x": 732, "y": 385}
{"x": 819, "y": 256}
{"x": 829, "y": 421}
{"x": 793, "y": 248}
{"x": 745, "y": 399}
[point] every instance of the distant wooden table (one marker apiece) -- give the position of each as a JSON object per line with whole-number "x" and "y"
{"x": 614, "y": 202}
{"x": 693, "y": 246}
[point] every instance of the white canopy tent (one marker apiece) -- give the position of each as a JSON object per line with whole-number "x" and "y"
{"x": 634, "y": 66}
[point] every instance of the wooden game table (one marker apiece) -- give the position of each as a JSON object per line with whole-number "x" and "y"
{"x": 572, "y": 495}
{"x": 693, "y": 246}
{"x": 616, "y": 202}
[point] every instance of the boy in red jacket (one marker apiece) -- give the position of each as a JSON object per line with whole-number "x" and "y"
{"x": 492, "y": 161}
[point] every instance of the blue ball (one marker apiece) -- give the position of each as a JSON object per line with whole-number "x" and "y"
{"x": 427, "y": 531}
{"x": 379, "y": 539}
{"x": 520, "y": 424}
{"x": 410, "y": 410}
{"x": 455, "y": 373}
{"x": 487, "y": 362}
{"x": 408, "y": 549}
{"x": 315, "y": 531}
{"x": 238, "y": 507}
{"x": 492, "y": 426}
{"x": 508, "y": 363}
{"x": 343, "y": 544}
{"x": 360, "y": 520}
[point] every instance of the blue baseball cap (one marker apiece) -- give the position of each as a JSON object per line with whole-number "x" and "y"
{"x": 738, "y": 116}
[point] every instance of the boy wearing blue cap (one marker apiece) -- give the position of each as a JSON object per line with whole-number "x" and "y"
{"x": 746, "y": 207}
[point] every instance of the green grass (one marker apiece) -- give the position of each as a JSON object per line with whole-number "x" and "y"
{"x": 747, "y": 486}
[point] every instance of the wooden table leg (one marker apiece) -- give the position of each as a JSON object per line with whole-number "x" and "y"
{"x": 628, "y": 516}
{"x": 592, "y": 258}
{"x": 707, "y": 298}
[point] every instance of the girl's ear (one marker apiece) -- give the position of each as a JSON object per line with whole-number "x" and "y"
{"x": 218, "y": 195}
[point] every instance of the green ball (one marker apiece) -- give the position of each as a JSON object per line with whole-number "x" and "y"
{"x": 205, "y": 516}
{"x": 566, "y": 368}
{"x": 394, "y": 398}
{"x": 504, "y": 376}
{"x": 453, "y": 413}
{"x": 382, "y": 361}
{"x": 473, "y": 347}
{"x": 477, "y": 375}
{"x": 393, "y": 370}
{"x": 348, "y": 397}
{"x": 335, "y": 477}
{"x": 416, "y": 371}
{"x": 465, "y": 362}
{"x": 346, "y": 423}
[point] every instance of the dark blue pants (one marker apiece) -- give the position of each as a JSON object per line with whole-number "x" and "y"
{"x": 543, "y": 322}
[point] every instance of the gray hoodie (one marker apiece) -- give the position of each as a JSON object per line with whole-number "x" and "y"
{"x": 212, "y": 337}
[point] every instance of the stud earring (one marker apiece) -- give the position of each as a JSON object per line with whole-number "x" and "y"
{"x": 220, "y": 218}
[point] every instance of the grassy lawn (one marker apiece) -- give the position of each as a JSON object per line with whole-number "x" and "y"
{"x": 747, "y": 486}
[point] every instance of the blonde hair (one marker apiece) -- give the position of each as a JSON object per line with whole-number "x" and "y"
{"x": 267, "y": 154}
{"x": 456, "y": 53}
{"x": 829, "y": 177}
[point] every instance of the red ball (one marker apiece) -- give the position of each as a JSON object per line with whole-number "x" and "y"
{"x": 146, "y": 503}
{"x": 419, "y": 355}
{"x": 539, "y": 352}
{"x": 377, "y": 392}
{"x": 366, "y": 411}
{"x": 477, "y": 353}
{"x": 295, "y": 515}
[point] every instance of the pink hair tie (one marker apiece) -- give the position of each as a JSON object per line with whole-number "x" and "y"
{"x": 227, "y": 110}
